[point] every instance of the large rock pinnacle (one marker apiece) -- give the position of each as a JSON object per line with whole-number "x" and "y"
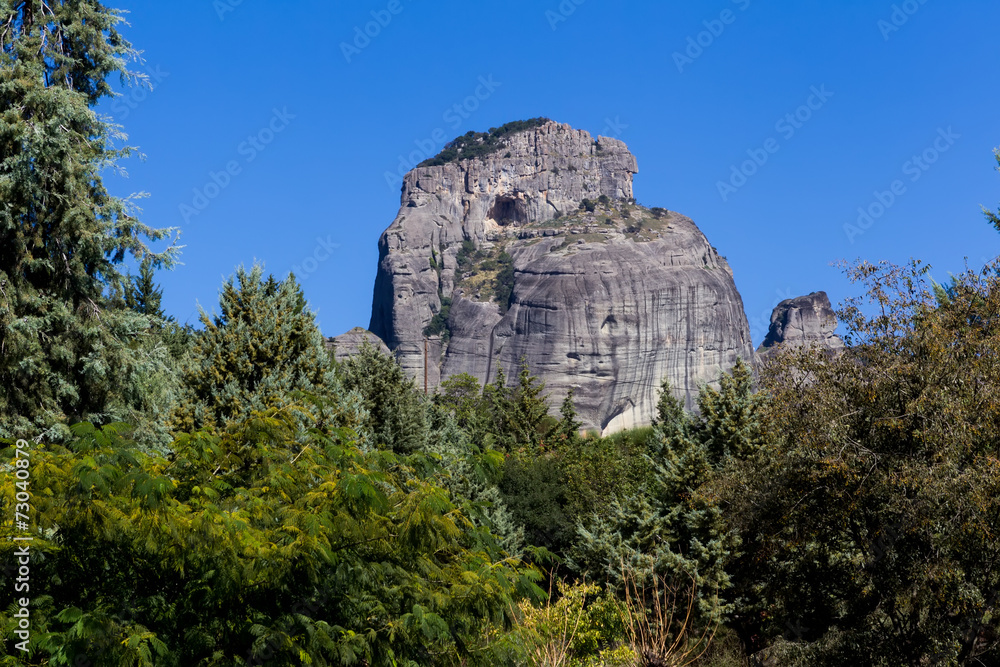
{"x": 537, "y": 251}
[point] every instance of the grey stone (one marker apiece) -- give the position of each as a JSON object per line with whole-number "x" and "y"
{"x": 609, "y": 318}
{"x": 803, "y": 321}
{"x": 347, "y": 344}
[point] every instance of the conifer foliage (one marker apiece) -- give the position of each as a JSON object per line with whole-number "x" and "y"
{"x": 65, "y": 349}
{"x": 255, "y": 353}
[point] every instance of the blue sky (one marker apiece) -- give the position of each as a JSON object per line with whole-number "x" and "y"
{"x": 770, "y": 124}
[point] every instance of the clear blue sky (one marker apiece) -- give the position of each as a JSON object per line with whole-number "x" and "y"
{"x": 225, "y": 71}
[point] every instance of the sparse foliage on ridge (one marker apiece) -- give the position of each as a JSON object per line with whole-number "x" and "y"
{"x": 481, "y": 144}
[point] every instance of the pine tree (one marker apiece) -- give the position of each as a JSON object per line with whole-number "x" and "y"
{"x": 397, "y": 413}
{"x": 67, "y": 352}
{"x": 256, "y": 353}
{"x": 731, "y": 417}
{"x": 519, "y": 414}
{"x": 142, "y": 294}
{"x": 671, "y": 529}
{"x": 567, "y": 431}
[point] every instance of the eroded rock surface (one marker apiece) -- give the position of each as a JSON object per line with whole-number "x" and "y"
{"x": 538, "y": 252}
{"x": 347, "y": 344}
{"x": 802, "y": 321}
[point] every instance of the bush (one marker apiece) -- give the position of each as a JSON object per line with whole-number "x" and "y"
{"x": 503, "y": 285}
{"x": 439, "y": 323}
{"x": 588, "y": 205}
{"x": 481, "y": 144}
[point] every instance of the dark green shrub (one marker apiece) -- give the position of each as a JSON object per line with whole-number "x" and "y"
{"x": 481, "y": 144}
{"x": 503, "y": 286}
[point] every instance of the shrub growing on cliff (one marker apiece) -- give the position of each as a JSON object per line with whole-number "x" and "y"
{"x": 473, "y": 145}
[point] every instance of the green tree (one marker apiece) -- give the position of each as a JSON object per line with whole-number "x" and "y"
{"x": 397, "y": 413}
{"x": 868, "y": 523}
{"x": 261, "y": 544}
{"x": 670, "y": 528}
{"x": 262, "y": 347}
{"x": 994, "y": 218}
{"x": 142, "y": 294}
{"x": 67, "y": 352}
{"x": 567, "y": 431}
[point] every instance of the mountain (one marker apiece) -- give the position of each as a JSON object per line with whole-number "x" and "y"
{"x": 525, "y": 243}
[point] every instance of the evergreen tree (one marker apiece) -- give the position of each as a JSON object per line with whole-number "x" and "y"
{"x": 142, "y": 294}
{"x": 671, "y": 529}
{"x": 256, "y": 353}
{"x": 67, "y": 352}
{"x": 731, "y": 417}
{"x": 518, "y": 415}
{"x": 397, "y": 412}
{"x": 567, "y": 431}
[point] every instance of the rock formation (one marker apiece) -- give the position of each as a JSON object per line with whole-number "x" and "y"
{"x": 537, "y": 251}
{"x": 349, "y": 343}
{"x": 802, "y": 321}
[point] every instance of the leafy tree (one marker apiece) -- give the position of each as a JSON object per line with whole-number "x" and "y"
{"x": 994, "y": 218}
{"x": 535, "y": 489}
{"x": 462, "y": 396}
{"x": 67, "y": 351}
{"x": 261, "y": 348}
{"x": 869, "y": 521}
{"x": 252, "y": 546}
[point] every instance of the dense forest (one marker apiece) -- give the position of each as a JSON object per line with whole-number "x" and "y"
{"x": 229, "y": 494}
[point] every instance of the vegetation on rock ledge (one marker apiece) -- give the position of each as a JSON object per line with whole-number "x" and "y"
{"x": 480, "y": 144}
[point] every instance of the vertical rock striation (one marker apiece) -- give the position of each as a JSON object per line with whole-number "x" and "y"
{"x": 538, "y": 252}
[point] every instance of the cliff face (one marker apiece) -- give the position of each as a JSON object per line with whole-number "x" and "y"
{"x": 537, "y": 252}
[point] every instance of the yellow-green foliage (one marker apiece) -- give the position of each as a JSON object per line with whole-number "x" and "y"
{"x": 579, "y": 625}
{"x": 263, "y": 540}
